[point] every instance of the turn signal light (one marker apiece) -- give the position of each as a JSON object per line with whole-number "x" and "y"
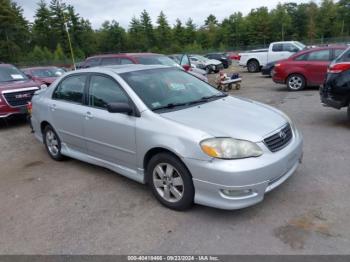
{"x": 339, "y": 68}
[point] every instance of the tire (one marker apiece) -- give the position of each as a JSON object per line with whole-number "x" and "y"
{"x": 349, "y": 112}
{"x": 170, "y": 181}
{"x": 52, "y": 143}
{"x": 296, "y": 82}
{"x": 253, "y": 66}
{"x": 208, "y": 70}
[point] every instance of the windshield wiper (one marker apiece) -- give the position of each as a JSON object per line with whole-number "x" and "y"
{"x": 206, "y": 99}
{"x": 169, "y": 106}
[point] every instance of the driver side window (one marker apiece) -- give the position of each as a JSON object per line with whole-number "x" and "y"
{"x": 104, "y": 90}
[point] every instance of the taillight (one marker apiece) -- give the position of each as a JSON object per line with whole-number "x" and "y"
{"x": 339, "y": 68}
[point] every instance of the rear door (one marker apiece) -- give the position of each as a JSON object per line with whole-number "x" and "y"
{"x": 316, "y": 66}
{"x": 67, "y": 111}
{"x": 110, "y": 136}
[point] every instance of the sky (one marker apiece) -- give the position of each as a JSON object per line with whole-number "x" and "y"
{"x": 98, "y": 11}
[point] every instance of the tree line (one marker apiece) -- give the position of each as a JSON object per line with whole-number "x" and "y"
{"x": 45, "y": 39}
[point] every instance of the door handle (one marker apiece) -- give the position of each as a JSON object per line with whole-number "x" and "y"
{"x": 88, "y": 115}
{"x": 53, "y": 107}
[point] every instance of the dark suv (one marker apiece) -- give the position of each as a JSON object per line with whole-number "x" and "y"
{"x": 16, "y": 90}
{"x": 222, "y": 57}
{"x": 336, "y": 89}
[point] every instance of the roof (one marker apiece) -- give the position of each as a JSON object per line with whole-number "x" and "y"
{"x": 119, "y": 69}
{"x": 37, "y": 67}
{"x": 5, "y": 65}
{"x": 305, "y": 51}
{"x": 123, "y": 55}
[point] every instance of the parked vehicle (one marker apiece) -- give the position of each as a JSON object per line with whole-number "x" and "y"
{"x": 222, "y": 57}
{"x": 254, "y": 60}
{"x": 336, "y": 89}
{"x": 184, "y": 61}
{"x": 44, "y": 74}
{"x": 268, "y": 68}
{"x": 233, "y": 56}
{"x": 16, "y": 90}
{"x": 162, "y": 126}
{"x": 306, "y": 68}
{"x": 209, "y": 65}
{"x": 136, "y": 58}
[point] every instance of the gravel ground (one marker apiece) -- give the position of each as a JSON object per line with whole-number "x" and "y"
{"x": 71, "y": 207}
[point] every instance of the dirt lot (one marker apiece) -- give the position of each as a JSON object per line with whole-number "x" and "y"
{"x": 72, "y": 207}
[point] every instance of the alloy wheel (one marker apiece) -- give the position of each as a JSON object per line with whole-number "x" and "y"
{"x": 52, "y": 143}
{"x": 295, "y": 83}
{"x": 168, "y": 182}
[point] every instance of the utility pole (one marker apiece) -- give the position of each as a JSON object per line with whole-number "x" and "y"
{"x": 68, "y": 36}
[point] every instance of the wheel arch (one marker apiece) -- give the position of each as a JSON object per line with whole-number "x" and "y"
{"x": 253, "y": 59}
{"x": 157, "y": 150}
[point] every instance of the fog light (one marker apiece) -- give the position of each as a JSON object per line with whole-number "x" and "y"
{"x": 237, "y": 193}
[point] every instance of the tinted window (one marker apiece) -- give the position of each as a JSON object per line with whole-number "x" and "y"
{"x": 92, "y": 62}
{"x": 110, "y": 61}
{"x": 345, "y": 57}
{"x": 289, "y": 48}
{"x": 302, "y": 57}
{"x": 125, "y": 61}
{"x": 277, "y": 48}
{"x": 156, "y": 60}
{"x": 322, "y": 55}
{"x": 338, "y": 52}
{"x": 71, "y": 89}
{"x": 104, "y": 90}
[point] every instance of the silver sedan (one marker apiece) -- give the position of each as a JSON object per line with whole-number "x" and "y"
{"x": 161, "y": 126}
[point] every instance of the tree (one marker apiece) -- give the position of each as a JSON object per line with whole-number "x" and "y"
{"x": 41, "y": 29}
{"x": 163, "y": 32}
{"x": 190, "y": 32}
{"x": 147, "y": 31}
{"x": 112, "y": 37}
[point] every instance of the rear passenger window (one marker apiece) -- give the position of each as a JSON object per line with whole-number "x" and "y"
{"x": 71, "y": 89}
{"x": 338, "y": 52}
{"x": 322, "y": 55}
{"x": 277, "y": 48}
{"x": 104, "y": 90}
{"x": 110, "y": 61}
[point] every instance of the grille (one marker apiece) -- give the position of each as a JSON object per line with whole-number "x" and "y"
{"x": 19, "y": 98}
{"x": 280, "y": 139}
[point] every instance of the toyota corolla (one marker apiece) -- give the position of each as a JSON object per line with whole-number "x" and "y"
{"x": 159, "y": 125}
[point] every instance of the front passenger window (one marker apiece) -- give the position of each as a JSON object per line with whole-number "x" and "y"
{"x": 104, "y": 90}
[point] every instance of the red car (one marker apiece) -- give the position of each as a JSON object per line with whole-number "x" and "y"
{"x": 46, "y": 74}
{"x": 305, "y": 68}
{"x": 16, "y": 90}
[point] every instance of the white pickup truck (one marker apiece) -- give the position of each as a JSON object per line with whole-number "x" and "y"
{"x": 254, "y": 60}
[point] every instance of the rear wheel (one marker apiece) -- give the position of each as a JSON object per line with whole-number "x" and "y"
{"x": 296, "y": 82}
{"x": 253, "y": 66}
{"x": 170, "y": 181}
{"x": 52, "y": 143}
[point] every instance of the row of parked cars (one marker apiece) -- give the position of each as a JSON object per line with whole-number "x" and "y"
{"x": 18, "y": 86}
{"x": 298, "y": 66}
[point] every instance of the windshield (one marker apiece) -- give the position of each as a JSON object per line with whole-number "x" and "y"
{"x": 301, "y": 45}
{"x": 48, "y": 72}
{"x": 157, "y": 60}
{"x": 168, "y": 87}
{"x": 10, "y": 74}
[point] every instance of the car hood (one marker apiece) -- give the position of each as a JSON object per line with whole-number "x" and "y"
{"x": 231, "y": 117}
{"x": 18, "y": 84}
{"x": 47, "y": 80}
{"x": 213, "y": 62}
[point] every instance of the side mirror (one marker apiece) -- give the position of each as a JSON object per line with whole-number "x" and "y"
{"x": 119, "y": 108}
{"x": 186, "y": 67}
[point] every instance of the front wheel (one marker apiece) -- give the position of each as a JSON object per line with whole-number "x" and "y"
{"x": 296, "y": 82}
{"x": 170, "y": 181}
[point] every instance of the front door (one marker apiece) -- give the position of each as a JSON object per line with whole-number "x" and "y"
{"x": 317, "y": 64}
{"x": 109, "y": 136}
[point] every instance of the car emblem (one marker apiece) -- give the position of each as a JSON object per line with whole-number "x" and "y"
{"x": 282, "y": 135}
{"x": 22, "y": 96}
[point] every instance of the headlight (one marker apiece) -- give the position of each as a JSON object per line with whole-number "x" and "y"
{"x": 230, "y": 148}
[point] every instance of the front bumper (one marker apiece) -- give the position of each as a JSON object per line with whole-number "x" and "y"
{"x": 7, "y": 111}
{"x": 250, "y": 179}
